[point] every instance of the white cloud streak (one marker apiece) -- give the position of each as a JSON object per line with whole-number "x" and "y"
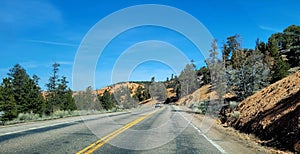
{"x": 269, "y": 28}
{"x": 53, "y": 43}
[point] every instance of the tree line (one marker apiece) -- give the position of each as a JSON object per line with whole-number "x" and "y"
{"x": 246, "y": 71}
{"x": 242, "y": 71}
{"x": 21, "y": 93}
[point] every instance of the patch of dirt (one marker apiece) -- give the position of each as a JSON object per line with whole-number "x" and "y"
{"x": 202, "y": 94}
{"x": 149, "y": 102}
{"x": 273, "y": 114}
{"x": 132, "y": 87}
{"x": 171, "y": 93}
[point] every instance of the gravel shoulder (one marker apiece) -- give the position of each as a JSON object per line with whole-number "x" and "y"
{"x": 228, "y": 138}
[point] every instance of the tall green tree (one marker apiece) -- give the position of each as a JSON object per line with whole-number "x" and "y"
{"x": 229, "y": 49}
{"x": 36, "y": 100}
{"x": 26, "y": 91}
{"x": 52, "y": 99}
{"x": 291, "y": 45}
{"x": 59, "y": 96}
{"x": 107, "y": 100}
{"x": 19, "y": 79}
{"x": 64, "y": 94}
{"x": 280, "y": 68}
{"x": 8, "y": 105}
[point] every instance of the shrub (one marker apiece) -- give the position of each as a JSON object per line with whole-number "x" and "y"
{"x": 27, "y": 117}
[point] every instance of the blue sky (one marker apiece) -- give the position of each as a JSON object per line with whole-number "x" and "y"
{"x": 37, "y": 33}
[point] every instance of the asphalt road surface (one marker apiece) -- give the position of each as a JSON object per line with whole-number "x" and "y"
{"x": 169, "y": 129}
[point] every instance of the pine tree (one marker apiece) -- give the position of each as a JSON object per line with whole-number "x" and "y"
{"x": 250, "y": 77}
{"x": 291, "y": 45}
{"x": 232, "y": 45}
{"x": 87, "y": 100}
{"x": 7, "y": 102}
{"x": 70, "y": 101}
{"x": 59, "y": 96}
{"x": 280, "y": 67}
{"x": 19, "y": 79}
{"x": 188, "y": 80}
{"x": 158, "y": 91}
{"x": 204, "y": 75}
{"x": 107, "y": 100}
{"x": 52, "y": 98}
{"x": 37, "y": 102}
{"x": 140, "y": 94}
{"x": 122, "y": 97}
{"x": 26, "y": 91}
{"x": 217, "y": 71}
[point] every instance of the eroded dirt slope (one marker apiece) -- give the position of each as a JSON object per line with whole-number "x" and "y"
{"x": 273, "y": 114}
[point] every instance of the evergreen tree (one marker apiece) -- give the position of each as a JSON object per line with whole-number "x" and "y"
{"x": 59, "y": 96}
{"x": 65, "y": 95}
{"x": 204, "y": 75}
{"x": 19, "y": 79}
{"x": 37, "y": 102}
{"x": 291, "y": 45}
{"x": 232, "y": 45}
{"x": 87, "y": 100}
{"x": 26, "y": 91}
{"x": 69, "y": 103}
{"x": 217, "y": 71}
{"x": 188, "y": 80}
{"x": 280, "y": 68}
{"x": 124, "y": 99}
{"x": 7, "y": 102}
{"x": 52, "y": 99}
{"x": 140, "y": 94}
{"x": 250, "y": 77}
{"x": 158, "y": 91}
{"x": 107, "y": 100}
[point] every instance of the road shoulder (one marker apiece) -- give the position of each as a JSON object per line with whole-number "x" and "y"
{"x": 228, "y": 138}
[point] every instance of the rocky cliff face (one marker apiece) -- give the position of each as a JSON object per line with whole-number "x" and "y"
{"x": 273, "y": 114}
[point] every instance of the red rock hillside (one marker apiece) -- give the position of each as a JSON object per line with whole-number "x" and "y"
{"x": 273, "y": 114}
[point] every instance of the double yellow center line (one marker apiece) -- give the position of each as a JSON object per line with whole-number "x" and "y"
{"x": 96, "y": 145}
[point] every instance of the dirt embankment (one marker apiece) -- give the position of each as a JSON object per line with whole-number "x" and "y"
{"x": 132, "y": 88}
{"x": 273, "y": 114}
{"x": 202, "y": 94}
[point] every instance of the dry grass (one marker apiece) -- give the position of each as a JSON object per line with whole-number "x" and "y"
{"x": 247, "y": 139}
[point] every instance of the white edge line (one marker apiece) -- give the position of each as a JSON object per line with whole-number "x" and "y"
{"x": 202, "y": 134}
{"x": 34, "y": 128}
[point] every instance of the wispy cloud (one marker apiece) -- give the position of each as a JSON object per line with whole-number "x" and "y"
{"x": 65, "y": 62}
{"x": 53, "y": 43}
{"x": 29, "y": 64}
{"x": 269, "y": 28}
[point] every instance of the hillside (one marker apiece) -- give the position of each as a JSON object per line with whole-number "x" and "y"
{"x": 131, "y": 86}
{"x": 273, "y": 114}
{"x": 202, "y": 94}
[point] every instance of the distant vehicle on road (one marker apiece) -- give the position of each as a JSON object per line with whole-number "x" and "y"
{"x": 158, "y": 105}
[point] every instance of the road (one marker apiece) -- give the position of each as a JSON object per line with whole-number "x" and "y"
{"x": 169, "y": 129}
